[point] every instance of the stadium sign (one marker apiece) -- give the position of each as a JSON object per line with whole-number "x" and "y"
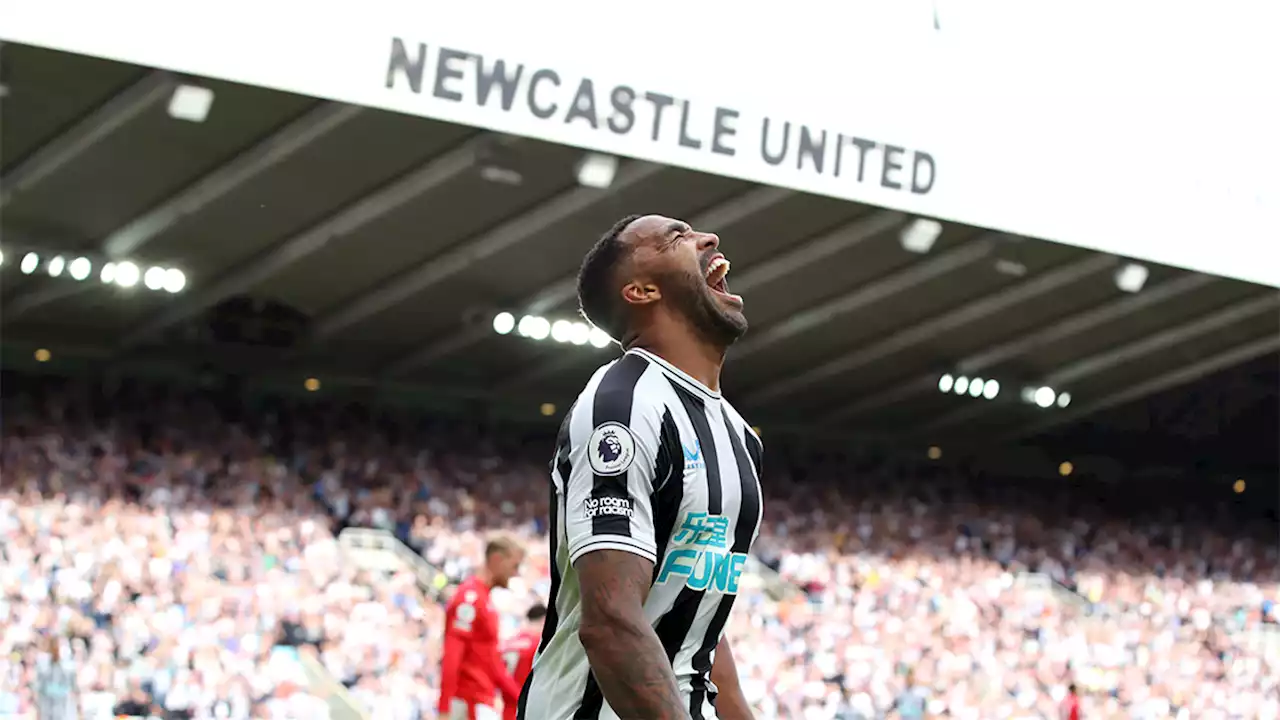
{"x": 992, "y": 117}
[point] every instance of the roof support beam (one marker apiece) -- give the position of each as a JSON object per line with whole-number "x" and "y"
{"x": 268, "y": 153}
{"x": 93, "y": 127}
{"x": 899, "y": 282}
{"x": 564, "y": 289}
{"x": 1019, "y": 346}
{"x": 435, "y": 173}
{"x": 1142, "y": 347}
{"x": 859, "y": 231}
{"x": 1180, "y": 376}
{"x": 222, "y": 181}
{"x": 1163, "y": 340}
{"x": 473, "y": 250}
{"x": 962, "y": 316}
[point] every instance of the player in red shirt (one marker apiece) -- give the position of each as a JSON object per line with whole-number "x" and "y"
{"x": 1071, "y": 704}
{"x": 518, "y": 652}
{"x": 472, "y": 672}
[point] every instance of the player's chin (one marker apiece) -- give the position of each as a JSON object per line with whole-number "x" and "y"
{"x": 732, "y": 323}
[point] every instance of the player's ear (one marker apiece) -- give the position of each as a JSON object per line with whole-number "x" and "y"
{"x": 638, "y": 292}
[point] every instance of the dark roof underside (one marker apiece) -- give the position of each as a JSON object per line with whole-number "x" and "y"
{"x": 390, "y": 235}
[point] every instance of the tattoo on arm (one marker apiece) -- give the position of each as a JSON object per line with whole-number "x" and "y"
{"x": 626, "y": 656}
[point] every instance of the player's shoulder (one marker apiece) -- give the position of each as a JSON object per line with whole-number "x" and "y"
{"x": 622, "y": 375}
{"x": 470, "y": 590}
{"x": 630, "y": 381}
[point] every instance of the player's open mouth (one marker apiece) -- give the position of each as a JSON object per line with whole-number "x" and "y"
{"x": 717, "y": 271}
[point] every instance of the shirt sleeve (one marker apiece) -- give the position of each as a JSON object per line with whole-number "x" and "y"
{"x": 460, "y": 617}
{"x": 614, "y": 463}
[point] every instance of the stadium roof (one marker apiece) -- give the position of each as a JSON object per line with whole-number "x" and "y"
{"x": 399, "y": 238}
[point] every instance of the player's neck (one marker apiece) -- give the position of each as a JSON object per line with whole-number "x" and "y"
{"x": 486, "y": 577}
{"x": 679, "y": 345}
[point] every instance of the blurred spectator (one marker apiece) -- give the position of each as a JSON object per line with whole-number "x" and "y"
{"x": 55, "y": 687}
{"x": 182, "y": 549}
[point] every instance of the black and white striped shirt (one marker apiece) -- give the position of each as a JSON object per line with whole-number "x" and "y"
{"x": 652, "y": 462}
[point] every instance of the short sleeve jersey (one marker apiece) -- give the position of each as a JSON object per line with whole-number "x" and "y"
{"x": 648, "y": 461}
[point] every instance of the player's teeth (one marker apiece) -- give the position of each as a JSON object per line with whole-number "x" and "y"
{"x": 716, "y": 266}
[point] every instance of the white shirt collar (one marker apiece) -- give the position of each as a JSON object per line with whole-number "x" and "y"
{"x": 677, "y": 374}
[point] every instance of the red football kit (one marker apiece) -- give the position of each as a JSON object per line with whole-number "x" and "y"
{"x": 1070, "y": 708}
{"x": 517, "y": 654}
{"x": 472, "y": 672}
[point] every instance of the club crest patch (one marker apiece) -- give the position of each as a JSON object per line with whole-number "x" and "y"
{"x": 611, "y": 449}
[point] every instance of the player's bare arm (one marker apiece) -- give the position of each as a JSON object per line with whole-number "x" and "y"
{"x": 731, "y": 703}
{"x": 626, "y": 657}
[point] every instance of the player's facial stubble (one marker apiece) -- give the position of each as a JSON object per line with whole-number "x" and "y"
{"x": 718, "y": 324}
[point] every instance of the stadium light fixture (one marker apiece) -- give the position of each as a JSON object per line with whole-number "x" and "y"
{"x": 1066, "y": 468}
{"x": 1013, "y": 268}
{"x": 127, "y": 274}
{"x": 599, "y": 338}
{"x": 81, "y": 268}
{"x": 501, "y": 175}
{"x": 43, "y": 355}
{"x": 540, "y": 328}
{"x": 561, "y": 331}
{"x": 1, "y": 257}
{"x": 547, "y": 409}
{"x": 920, "y": 235}
{"x": 596, "y": 170}
{"x": 534, "y": 327}
{"x": 504, "y": 323}
{"x": 977, "y": 387}
{"x": 935, "y": 452}
{"x": 174, "y": 280}
{"x": 311, "y": 384}
{"x": 564, "y": 330}
{"x": 124, "y": 273}
{"x": 191, "y": 103}
{"x": 153, "y": 278}
{"x": 499, "y": 162}
{"x": 1131, "y": 277}
{"x": 1239, "y": 486}
{"x": 1064, "y": 399}
{"x": 1044, "y": 396}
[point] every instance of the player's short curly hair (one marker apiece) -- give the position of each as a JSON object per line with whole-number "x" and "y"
{"x": 597, "y": 294}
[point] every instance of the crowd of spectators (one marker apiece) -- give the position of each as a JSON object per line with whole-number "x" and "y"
{"x": 180, "y": 551}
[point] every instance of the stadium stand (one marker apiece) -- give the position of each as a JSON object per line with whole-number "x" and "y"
{"x": 1002, "y": 261}
{"x": 181, "y": 546}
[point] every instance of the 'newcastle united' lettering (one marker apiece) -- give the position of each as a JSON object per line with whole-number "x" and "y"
{"x": 458, "y": 76}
